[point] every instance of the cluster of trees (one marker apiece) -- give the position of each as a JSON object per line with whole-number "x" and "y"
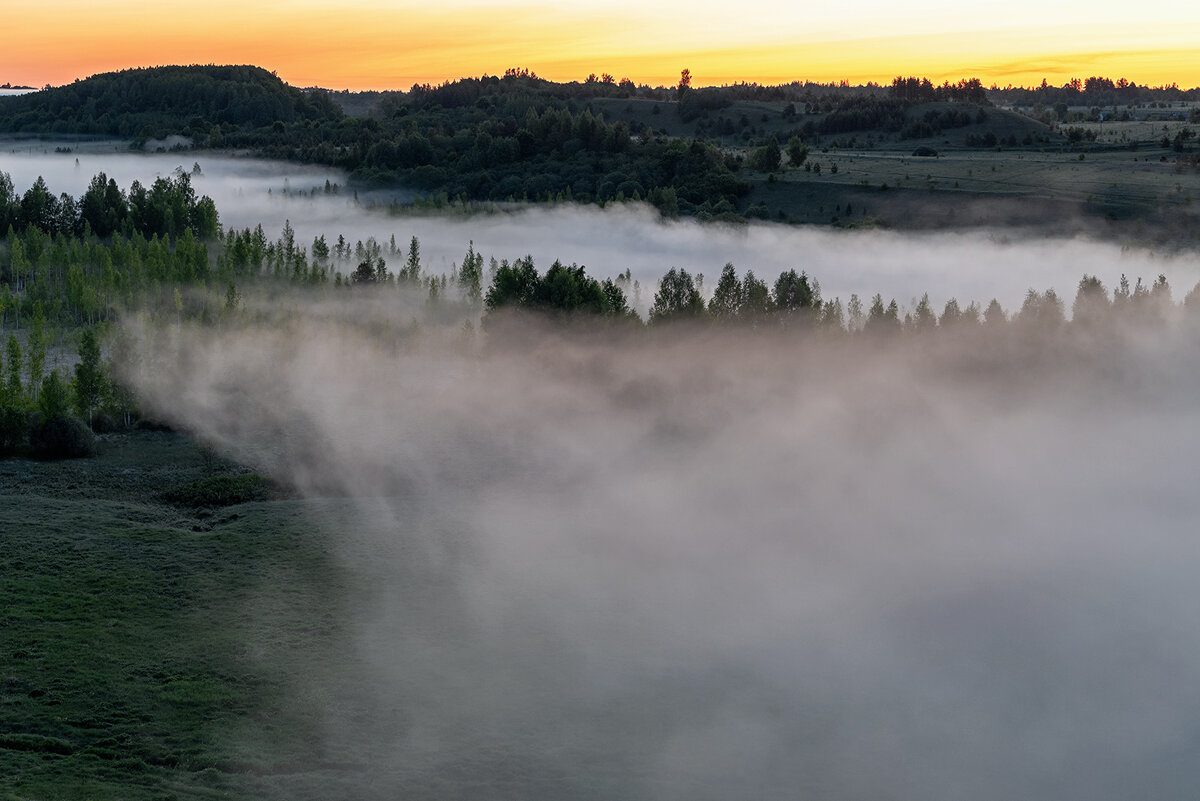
{"x": 562, "y": 291}
{"x": 80, "y": 279}
{"x": 168, "y": 208}
{"x": 922, "y": 90}
{"x": 48, "y": 416}
{"x": 936, "y": 120}
{"x": 513, "y": 146}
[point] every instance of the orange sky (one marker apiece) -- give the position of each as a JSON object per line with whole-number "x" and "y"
{"x": 373, "y": 44}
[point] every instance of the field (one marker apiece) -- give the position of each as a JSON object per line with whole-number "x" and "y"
{"x": 135, "y": 632}
{"x": 1124, "y": 183}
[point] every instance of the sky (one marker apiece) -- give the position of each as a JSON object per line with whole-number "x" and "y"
{"x": 374, "y": 44}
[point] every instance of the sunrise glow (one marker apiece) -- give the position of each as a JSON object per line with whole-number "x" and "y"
{"x": 381, "y": 45}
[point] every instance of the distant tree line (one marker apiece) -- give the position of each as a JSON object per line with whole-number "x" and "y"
{"x": 922, "y": 90}
{"x": 1093, "y": 91}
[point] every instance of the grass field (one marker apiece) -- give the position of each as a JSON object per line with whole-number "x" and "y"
{"x": 136, "y": 634}
{"x": 1124, "y": 184}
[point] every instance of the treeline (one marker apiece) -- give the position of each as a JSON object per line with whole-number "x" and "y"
{"x": 168, "y": 208}
{"x": 793, "y": 302}
{"x": 1093, "y": 91}
{"x": 922, "y": 90}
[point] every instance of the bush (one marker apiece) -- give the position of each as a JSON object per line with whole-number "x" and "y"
{"x": 60, "y": 437}
{"x": 14, "y": 428}
{"x": 105, "y": 423}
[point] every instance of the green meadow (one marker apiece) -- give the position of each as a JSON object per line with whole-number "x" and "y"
{"x": 143, "y": 642}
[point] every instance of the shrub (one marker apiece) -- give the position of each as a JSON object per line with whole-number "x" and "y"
{"x": 14, "y": 428}
{"x": 60, "y": 437}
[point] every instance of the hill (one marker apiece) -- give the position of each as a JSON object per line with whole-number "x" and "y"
{"x": 189, "y": 100}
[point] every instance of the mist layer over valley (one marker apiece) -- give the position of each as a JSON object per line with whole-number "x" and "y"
{"x": 725, "y": 557}
{"x": 714, "y": 563}
{"x": 971, "y": 265}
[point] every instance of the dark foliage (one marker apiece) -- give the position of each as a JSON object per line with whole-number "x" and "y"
{"x": 168, "y": 208}
{"x": 563, "y": 290}
{"x": 14, "y": 428}
{"x": 60, "y": 437}
{"x": 198, "y": 101}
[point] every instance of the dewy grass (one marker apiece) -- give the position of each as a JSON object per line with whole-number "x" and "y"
{"x": 124, "y": 666}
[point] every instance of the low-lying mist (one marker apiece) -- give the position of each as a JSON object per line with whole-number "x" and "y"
{"x": 686, "y": 563}
{"x": 969, "y": 265}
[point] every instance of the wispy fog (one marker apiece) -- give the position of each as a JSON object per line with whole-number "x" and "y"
{"x": 971, "y": 265}
{"x": 716, "y": 565}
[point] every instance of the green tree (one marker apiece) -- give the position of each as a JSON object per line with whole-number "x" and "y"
{"x": 726, "y": 302}
{"x": 794, "y": 294}
{"x": 12, "y": 376}
{"x": 677, "y": 297}
{"x": 36, "y": 346}
{"x": 923, "y": 317}
{"x": 89, "y": 375}
{"x": 39, "y": 207}
{"x": 797, "y": 151}
{"x": 766, "y": 158}
{"x": 756, "y": 297}
{"x": 515, "y": 284}
{"x": 470, "y": 277}
{"x": 54, "y": 399}
{"x": 882, "y": 320}
{"x": 411, "y": 272}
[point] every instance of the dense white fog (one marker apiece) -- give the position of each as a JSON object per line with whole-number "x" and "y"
{"x": 971, "y": 265}
{"x": 717, "y": 565}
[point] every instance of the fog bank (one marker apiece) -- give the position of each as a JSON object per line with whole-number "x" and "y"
{"x": 968, "y": 265}
{"x": 715, "y": 565}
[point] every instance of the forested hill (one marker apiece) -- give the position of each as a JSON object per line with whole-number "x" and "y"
{"x": 188, "y": 100}
{"x": 512, "y": 139}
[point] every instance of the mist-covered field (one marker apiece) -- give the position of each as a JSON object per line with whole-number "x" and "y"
{"x": 717, "y": 564}
{"x": 688, "y": 562}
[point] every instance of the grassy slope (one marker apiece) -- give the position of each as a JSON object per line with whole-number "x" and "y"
{"x": 135, "y": 636}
